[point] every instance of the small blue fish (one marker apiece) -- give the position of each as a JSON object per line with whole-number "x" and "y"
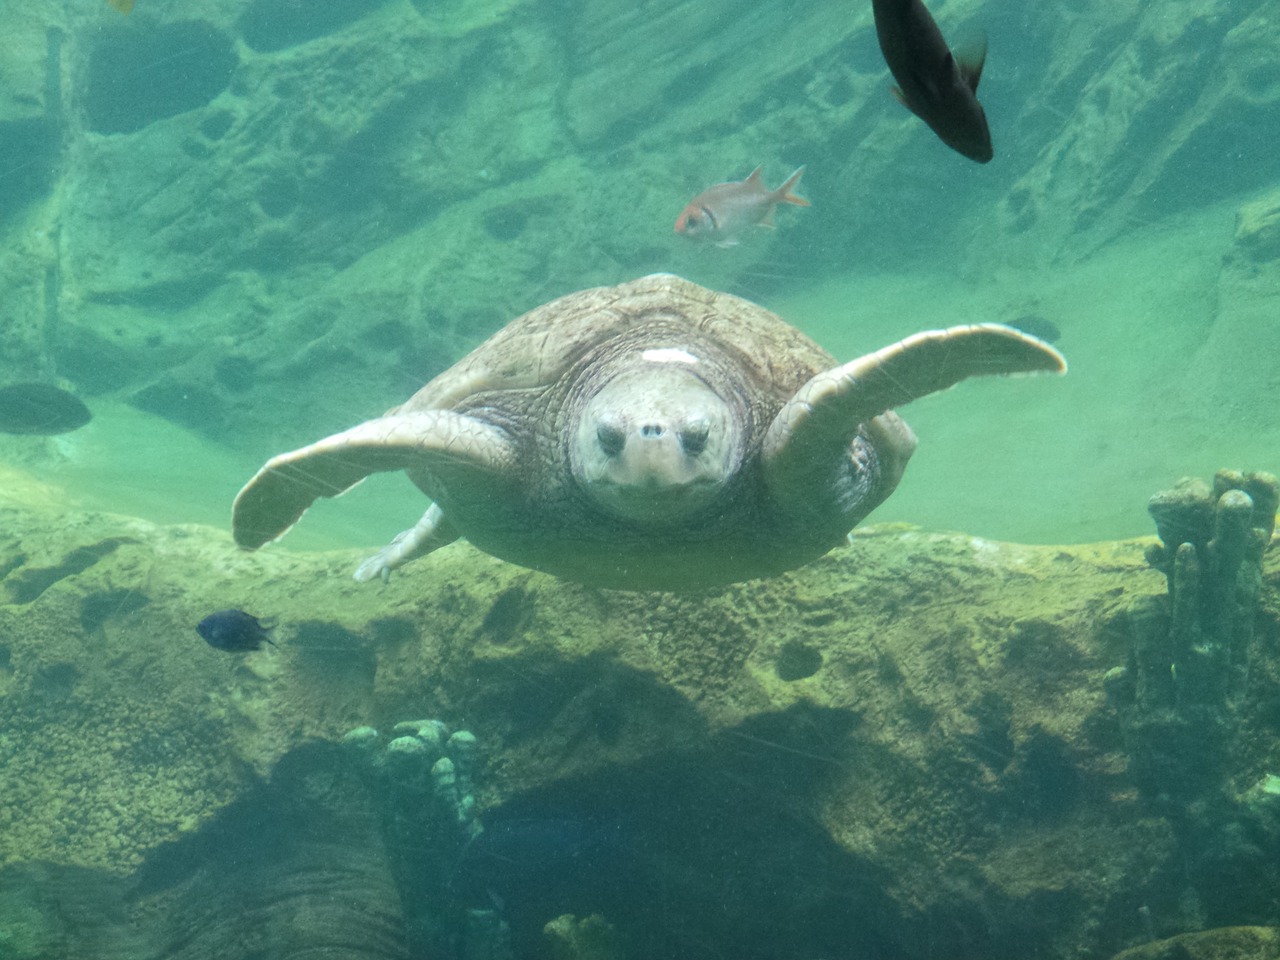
{"x": 235, "y": 631}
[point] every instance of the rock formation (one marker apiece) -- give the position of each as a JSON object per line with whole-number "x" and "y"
{"x": 904, "y": 748}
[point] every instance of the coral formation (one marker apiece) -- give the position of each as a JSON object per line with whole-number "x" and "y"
{"x": 427, "y": 807}
{"x": 1212, "y": 540}
{"x": 1190, "y": 655}
{"x": 1190, "y": 686}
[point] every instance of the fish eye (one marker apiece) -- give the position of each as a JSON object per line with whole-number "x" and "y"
{"x": 611, "y": 438}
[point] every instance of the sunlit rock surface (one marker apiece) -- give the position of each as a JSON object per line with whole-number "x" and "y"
{"x": 1224, "y": 943}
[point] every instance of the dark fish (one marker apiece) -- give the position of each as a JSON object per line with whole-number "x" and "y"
{"x": 234, "y": 631}
{"x": 937, "y": 87}
{"x": 38, "y": 408}
{"x": 1038, "y": 326}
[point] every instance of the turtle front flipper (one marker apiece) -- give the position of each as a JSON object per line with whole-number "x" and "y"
{"x": 437, "y": 440}
{"x": 811, "y": 435}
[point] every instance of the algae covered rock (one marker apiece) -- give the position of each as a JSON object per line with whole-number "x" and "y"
{"x": 1224, "y": 943}
{"x": 857, "y": 727}
{"x": 589, "y": 938}
{"x": 820, "y": 690}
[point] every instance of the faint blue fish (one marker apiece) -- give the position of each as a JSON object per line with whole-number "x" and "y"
{"x": 41, "y": 409}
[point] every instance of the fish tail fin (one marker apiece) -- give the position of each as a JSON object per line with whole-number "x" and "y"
{"x": 784, "y": 194}
{"x": 269, "y": 625}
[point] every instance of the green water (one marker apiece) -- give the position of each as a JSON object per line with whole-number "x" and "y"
{"x": 1069, "y": 460}
{"x": 1035, "y": 460}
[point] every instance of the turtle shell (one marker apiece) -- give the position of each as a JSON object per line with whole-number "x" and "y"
{"x": 538, "y": 348}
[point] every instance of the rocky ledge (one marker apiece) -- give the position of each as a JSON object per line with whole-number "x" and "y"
{"x": 905, "y": 749}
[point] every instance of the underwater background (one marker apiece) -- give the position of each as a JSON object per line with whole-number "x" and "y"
{"x": 234, "y": 226}
{"x": 239, "y": 226}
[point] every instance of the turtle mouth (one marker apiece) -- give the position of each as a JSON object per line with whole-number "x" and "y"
{"x": 653, "y": 480}
{"x": 689, "y": 494}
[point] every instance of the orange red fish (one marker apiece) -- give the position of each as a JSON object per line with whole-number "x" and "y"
{"x": 124, "y": 6}
{"x": 721, "y": 214}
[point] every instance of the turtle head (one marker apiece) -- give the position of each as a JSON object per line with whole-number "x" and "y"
{"x": 655, "y": 443}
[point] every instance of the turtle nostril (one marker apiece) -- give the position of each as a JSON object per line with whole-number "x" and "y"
{"x": 652, "y": 430}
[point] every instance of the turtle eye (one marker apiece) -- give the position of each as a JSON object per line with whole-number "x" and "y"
{"x": 611, "y": 438}
{"x": 693, "y": 438}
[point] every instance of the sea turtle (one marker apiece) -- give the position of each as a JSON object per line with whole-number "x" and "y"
{"x": 654, "y": 435}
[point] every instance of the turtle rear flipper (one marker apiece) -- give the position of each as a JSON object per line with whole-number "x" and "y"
{"x": 439, "y": 440}
{"x": 430, "y": 533}
{"x": 817, "y": 425}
